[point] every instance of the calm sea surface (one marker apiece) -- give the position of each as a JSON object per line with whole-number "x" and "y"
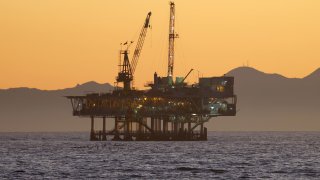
{"x": 254, "y": 155}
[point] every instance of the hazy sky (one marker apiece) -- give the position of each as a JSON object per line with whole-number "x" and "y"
{"x": 50, "y": 44}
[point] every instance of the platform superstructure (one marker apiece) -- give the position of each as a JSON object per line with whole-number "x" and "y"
{"x": 170, "y": 109}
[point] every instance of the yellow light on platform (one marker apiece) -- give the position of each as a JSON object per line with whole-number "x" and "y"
{"x": 220, "y": 88}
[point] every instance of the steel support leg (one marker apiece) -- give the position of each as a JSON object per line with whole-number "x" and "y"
{"x": 92, "y": 133}
{"x": 116, "y": 123}
{"x": 104, "y": 136}
{"x": 201, "y": 129}
{"x": 152, "y": 124}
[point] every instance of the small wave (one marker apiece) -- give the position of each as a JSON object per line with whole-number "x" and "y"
{"x": 218, "y": 171}
{"x": 244, "y": 164}
{"x": 19, "y": 171}
{"x": 135, "y": 176}
{"x": 80, "y": 147}
{"x": 187, "y": 169}
{"x": 279, "y": 172}
{"x": 244, "y": 177}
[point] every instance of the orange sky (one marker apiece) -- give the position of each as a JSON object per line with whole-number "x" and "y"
{"x": 51, "y": 44}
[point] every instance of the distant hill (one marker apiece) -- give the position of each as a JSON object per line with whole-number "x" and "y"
{"x": 266, "y": 102}
{"x": 313, "y": 76}
{"x": 272, "y": 102}
{"x": 26, "y": 109}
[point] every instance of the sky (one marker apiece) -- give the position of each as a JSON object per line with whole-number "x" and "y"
{"x": 54, "y": 44}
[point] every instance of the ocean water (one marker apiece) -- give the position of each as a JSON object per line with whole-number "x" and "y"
{"x": 253, "y": 155}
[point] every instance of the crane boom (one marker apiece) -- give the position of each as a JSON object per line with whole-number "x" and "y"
{"x": 140, "y": 42}
{"x": 126, "y": 68}
{"x": 187, "y": 75}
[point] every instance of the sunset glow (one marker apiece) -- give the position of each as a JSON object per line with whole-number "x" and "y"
{"x": 56, "y": 44}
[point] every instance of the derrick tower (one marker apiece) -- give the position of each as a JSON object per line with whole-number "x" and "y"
{"x": 172, "y": 36}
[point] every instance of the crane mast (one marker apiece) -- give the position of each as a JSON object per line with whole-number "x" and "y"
{"x": 127, "y": 68}
{"x": 172, "y": 36}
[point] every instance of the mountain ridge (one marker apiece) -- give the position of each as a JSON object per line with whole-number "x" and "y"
{"x": 238, "y": 70}
{"x": 88, "y": 84}
{"x": 253, "y": 71}
{"x": 314, "y": 74}
{"x": 267, "y": 102}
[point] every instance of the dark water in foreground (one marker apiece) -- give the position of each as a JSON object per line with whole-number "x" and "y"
{"x": 275, "y": 155}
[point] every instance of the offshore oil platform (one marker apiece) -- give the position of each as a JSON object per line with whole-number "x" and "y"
{"x": 169, "y": 110}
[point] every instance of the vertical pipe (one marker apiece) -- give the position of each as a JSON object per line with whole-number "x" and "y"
{"x": 92, "y": 124}
{"x": 116, "y": 134}
{"x": 152, "y": 124}
{"x": 140, "y": 126}
{"x": 165, "y": 125}
{"x": 128, "y": 125}
{"x": 92, "y": 134}
{"x": 189, "y": 130}
{"x": 145, "y": 121}
{"x": 175, "y": 127}
{"x": 205, "y": 137}
{"x": 159, "y": 125}
{"x": 116, "y": 124}
{"x": 104, "y": 136}
{"x": 201, "y": 129}
{"x": 172, "y": 127}
{"x": 130, "y": 130}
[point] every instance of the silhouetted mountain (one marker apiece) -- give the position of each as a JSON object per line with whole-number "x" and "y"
{"x": 26, "y": 109}
{"x": 266, "y": 102}
{"x": 273, "y": 102}
{"x": 249, "y": 72}
{"x": 315, "y": 75}
{"x": 88, "y": 87}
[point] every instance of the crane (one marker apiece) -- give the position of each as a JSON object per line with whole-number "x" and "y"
{"x": 127, "y": 68}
